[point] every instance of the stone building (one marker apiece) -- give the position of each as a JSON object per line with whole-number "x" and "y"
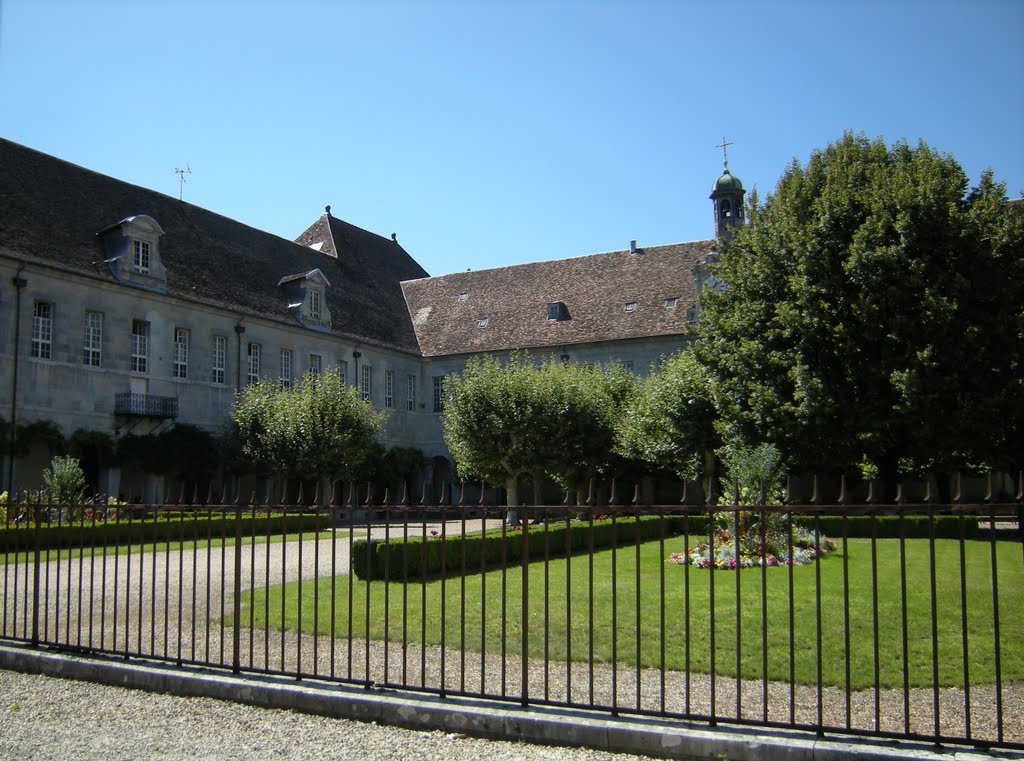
{"x": 130, "y": 311}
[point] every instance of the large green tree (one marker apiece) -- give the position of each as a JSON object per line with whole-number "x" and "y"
{"x": 874, "y": 311}
{"x": 504, "y": 421}
{"x": 318, "y": 428}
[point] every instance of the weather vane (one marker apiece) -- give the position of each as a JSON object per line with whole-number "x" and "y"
{"x": 724, "y": 145}
{"x": 181, "y": 179}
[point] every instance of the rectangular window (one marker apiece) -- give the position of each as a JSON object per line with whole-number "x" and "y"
{"x": 42, "y": 329}
{"x": 284, "y": 375}
{"x": 366, "y": 382}
{"x": 438, "y": 393}
{"x": 181, "y": 337}
{"x": 254, "y": 363}
{"x": 315, "y": 364}
{"x": 314, "y": 304}
{"x": 342, "y": 366}
{"x": 410, "y": 392}
{"x": 140, "y": 346}
{"x": 141, "y": 249}
{"x": 628, "y": 365}
{"x": 91, "y": 354}
{"x": 220, "y": 352}
{"x": 389, "y": 388}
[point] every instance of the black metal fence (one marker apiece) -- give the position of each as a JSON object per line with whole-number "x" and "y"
{"x": 895, "y": 621}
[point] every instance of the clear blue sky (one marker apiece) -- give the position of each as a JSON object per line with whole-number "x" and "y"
{"x": 493, "y": 133}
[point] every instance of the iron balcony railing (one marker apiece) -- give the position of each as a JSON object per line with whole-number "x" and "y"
{"x": 899, "y": 621}
{"x": 146, "y": 405}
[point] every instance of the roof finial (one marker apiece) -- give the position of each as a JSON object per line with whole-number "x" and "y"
{"x": 724, "y": 145}
{"x": 327, "y": 209}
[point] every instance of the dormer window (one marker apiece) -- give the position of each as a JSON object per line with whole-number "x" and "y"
{"x": 305, "y": 296}
{"x": 142, "y": 252}
{"x": 557, "y": 311}
{"x": 132, "y": 252}
{"x": 671, "y": 302}
{"x": 631, "y": 306}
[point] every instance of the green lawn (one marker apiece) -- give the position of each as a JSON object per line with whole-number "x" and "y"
{"x": 551, "y": 608}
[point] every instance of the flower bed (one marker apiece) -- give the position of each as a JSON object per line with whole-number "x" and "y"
{"x": 749, "y": 544}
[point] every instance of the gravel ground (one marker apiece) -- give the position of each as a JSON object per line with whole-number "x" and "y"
{"x": 46, "y": 719}
{"x": 152, "y": 626}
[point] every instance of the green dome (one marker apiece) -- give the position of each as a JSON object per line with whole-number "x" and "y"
{"x": 727, "y": 183}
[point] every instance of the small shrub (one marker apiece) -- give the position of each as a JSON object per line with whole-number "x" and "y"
{"x": 64, "y": 480}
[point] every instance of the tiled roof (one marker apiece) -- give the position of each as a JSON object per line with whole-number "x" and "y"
{"x": 51, "y": 210}
{"x": 507, "y": 307}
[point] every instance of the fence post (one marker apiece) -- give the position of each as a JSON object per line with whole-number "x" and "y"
{"x": 236, "y": 634}
{"x": 525, "y": 624}
{"x": 36, "y": 562}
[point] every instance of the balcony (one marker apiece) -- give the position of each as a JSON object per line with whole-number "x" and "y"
{"x": 145, "y": 405}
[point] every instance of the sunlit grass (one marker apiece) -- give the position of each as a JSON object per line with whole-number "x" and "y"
{"x": 578, "y": 614}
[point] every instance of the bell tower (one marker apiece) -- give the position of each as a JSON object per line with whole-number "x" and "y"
{"x": 727, "y": 198}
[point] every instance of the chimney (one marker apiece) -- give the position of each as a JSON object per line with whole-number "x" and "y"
{"x": 327, "y": 209}
{"x": 632, "y": 247}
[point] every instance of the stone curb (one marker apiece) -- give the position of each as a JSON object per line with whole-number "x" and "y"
{"x": 479, "y": 718}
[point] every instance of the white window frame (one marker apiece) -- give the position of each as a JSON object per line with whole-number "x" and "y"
{"x": 220, "y": 353}
{"x": 438, "y": 393}
{"x": 316, "y": 364}
{"x": 42, "y": 330}
{"x": 181, "y": 341}
{"x": 389, "y": 389}
{"x": 92, "y": 345}
{"x": 342, "y": 367}
{"x": 314, "y": 304}
{"x": 253, "y": 356}
{"x": 284, "y": 373}
{"x": 410, "y": 392}
{"x": 366, "y": 383}
{"x": 140, "y": 346}
{"x": 142, "y": 256}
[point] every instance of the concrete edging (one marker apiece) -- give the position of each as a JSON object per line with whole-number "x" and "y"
{"x": 479, "y": 718}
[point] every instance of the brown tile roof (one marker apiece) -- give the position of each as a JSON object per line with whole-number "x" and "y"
{"x": 447, "y": 311}
{"x": 51, "y": 210}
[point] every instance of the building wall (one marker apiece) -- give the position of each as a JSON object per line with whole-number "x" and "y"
{"x": 74, "y": 395}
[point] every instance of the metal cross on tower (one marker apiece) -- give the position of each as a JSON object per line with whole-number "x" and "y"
{"x": 724, "y": 145}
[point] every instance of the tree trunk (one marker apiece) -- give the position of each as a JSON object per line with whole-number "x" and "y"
{"x": 512, "y": 500}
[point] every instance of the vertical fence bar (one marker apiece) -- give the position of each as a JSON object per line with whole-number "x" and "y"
{"x": 387, "y": 591}
{"x": 792, "y": 619}
{"x": 636, "y": 600}
{"x": 763, "y": 531}
{"x": 818, "y": 626}
{"x": 444, "y": 601}
{"x": 903, "y": 620}
{"x": 686, "y": 612}
{"x": 846, "y": 617}
{"x": 524, "y": 656}
{"x": 874, "y": 621}
{"x": 933, "y": 588}
{"x": 963, "y": 626}
{"x": 711, "y": 610}
{"x": 995, "y": 626}
{"x": 568, "y": 605}
{"x": 236, "y": 613}
{"x": 36, "y": 570}
{"x": 661, "y": 610}
{"x": 615, "y": 609}
{"x": 739, "y": 604}
{"x": 547, "y": 603}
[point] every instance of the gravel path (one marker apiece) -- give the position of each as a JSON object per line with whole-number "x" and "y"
{"x": 152, "y": 626}
{"x": 46, "y": 719}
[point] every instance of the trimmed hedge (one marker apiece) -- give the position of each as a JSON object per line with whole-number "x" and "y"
{"x": 149, "y": 530}
{"x": 888, "y": 526}
{"x": 419, "y": 558}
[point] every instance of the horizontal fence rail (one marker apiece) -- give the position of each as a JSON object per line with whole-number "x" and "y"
{"x": 899, "y": 621}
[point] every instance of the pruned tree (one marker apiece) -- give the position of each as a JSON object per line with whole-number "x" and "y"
{"x": 668, "y": 420}
{"x": 506, "y": 421}
{"x": 318, "y": 428}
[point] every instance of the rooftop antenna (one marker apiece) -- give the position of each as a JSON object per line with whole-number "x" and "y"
{"x": 181, "y": 178}
{"x": 724, "y": 145}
